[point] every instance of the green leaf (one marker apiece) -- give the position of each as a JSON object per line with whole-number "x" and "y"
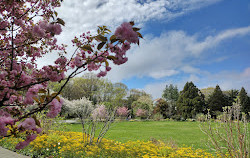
{"x": 101, "y": 38}
{"x": 113, "y": 39}
{"x": 53, "y": 94}
{"x": 106, "y": 63}
{"x": 58, "y": 98}
{"x": 60, "y": 21}
{"x": 56, "y": 13}
{"x": 108, "y": 30}
{"x": 100, "y": 45}
{"x": 87, "y": 47}
{"x": 136, "y": 29}
{"x": 36, "y": 120}
{"x": 42, "y": 91}
{"x": 42, "y": 98}
{"x": 111, "y": 57}
{"x": 139, "y": 34}
{"x": 36, "y": 99}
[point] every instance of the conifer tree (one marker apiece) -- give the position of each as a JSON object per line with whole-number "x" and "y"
{"x": 163, "y": 108}
{"x": 231, "y": 96}
{"x": 191, "y": 101}
{"x": 216, "y": 101}
{"x": 244, "y": 101}
{"x": 170, "y": 93}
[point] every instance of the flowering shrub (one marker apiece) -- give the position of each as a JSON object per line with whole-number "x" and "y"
{"x": 122, "y": 111}
{"x": 99, "y": 112}
{"x": 81, "y": 107}
{"x": 68, "y": 144}
{"x": 141, "y": 113}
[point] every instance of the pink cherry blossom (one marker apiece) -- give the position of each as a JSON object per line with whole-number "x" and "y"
{"x": 99, "y": 112}
{"x": 122, "y": 111}
{"x": 32, "y": 92}
{"x": 28, "y": 124}
{"x": 38, "y": 31}
{"x": 78, "y": 61}
{"x": 54, "y": 29}
{"x": 24, "y": 39}
{"x": 126, "y": 46}
{"x": 25, "y": 143}
{"x": 141, "y": 113}
{"x": 3, "y": 122}
{"x": 55, "y": 108}
{"x": 126, "y": 32}
{"x": 102, "y": 74}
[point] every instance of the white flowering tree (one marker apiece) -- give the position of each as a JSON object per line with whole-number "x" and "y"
{"x": 91, "y": 118}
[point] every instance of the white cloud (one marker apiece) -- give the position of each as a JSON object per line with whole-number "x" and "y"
{"x": 88, "y": 14}
{"x": 82, "y": 16}
{"x": 212, "y": 41}
{"x": 156, "y": 89}
{"x": 193, "y": 78}
{"x": 162, "y": 73}
{"x": 172, "y": 52}
{"x": 230, "y": 79}
{"x": 190, "y": 69}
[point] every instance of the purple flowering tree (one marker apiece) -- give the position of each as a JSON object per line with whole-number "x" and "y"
{"x": 23, "y": 40}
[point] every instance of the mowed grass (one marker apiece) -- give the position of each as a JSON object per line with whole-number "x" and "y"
{"x": 179, "y": 133}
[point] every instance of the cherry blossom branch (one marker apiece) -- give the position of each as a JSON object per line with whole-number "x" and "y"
{"x": 62, "y": 87}
{"x": 2, "y": 49}
{"x": 31, "y": 84}
{"x": 12, "y": 42}
{"x": 28, "y": 10}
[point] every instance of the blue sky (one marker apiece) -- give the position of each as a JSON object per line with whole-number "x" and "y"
{"x": 204, "y": 41}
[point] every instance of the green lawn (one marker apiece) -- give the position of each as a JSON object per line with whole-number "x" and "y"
{"x": 181, "y": 133}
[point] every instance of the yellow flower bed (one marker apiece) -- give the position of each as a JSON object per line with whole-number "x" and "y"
{"x": 70, "y": 144}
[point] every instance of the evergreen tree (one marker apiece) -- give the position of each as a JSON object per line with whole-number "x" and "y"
{"x": 162, "y": 108}
{"x": 170, "y": 93}
{"x": 244, "y": 101}
{"x": 191, "y": 101}
{"x": 216, "y": 101}
{"x": 231, "y": 96}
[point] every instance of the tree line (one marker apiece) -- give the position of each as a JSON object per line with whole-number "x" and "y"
{"x": 192, "y": 101}
{"x": 175, "y": 104}
{"x": 102, "y": 91}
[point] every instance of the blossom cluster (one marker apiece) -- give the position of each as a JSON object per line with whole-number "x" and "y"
{"x": 44, "y": 27}
{"x": 122, "y": 111}
{"x": 126, "y": 32}
{"x": 28, "y": 124}
{"x": 99, "y": 112}
{"x": 141, "y": 113}
{"x": 55, "y": 108}
{"x": 5, "y": 120}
